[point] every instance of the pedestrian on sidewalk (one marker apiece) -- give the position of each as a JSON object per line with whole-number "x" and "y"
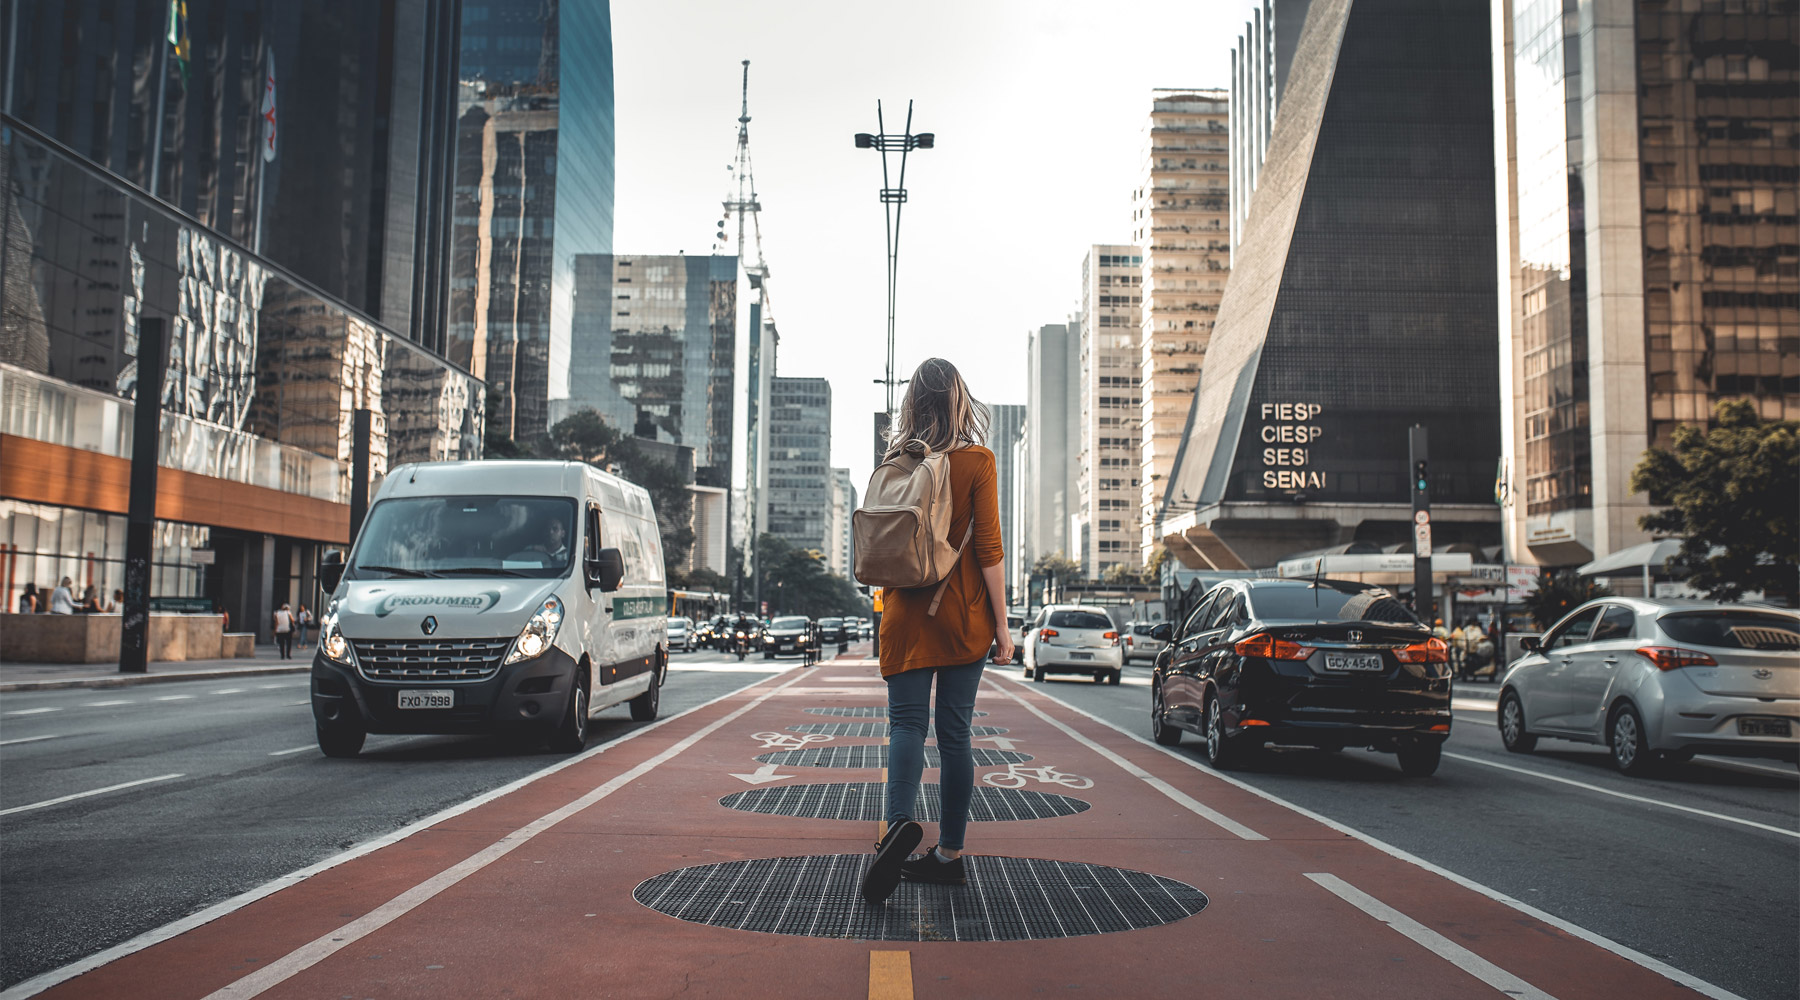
{"x": 303, "y": 620}
{"x": 118, "y": 599}
{"x": 28, "y": 600}
{"x": 284, "y": 630}
{"x": 948, "y": 647}
{"x": 62, "y": 599}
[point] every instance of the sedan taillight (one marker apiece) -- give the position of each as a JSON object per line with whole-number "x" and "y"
{"x": 1268, "y": 647}
{"x": 1432, "y": 650}
{"x": 1674, "y": 657}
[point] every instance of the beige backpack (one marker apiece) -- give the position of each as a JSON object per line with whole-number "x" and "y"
{"x": 902, "y": 530}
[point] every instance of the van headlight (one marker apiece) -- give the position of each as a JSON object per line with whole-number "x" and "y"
{"x": 332, "y": 642}
{"x": 539, "y": 632}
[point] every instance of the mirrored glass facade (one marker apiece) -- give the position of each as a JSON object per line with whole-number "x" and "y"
{"x": 799, "y": 462}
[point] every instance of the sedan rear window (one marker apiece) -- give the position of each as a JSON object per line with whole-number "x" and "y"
{"x": 788, "y": 623}
{"x": 1326, "y": 602}
{"x": 1079, "y": 619}
{"x": 1733, "y": 629}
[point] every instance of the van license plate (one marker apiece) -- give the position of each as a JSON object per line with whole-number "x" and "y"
{"x": 1344, "y": 661}
{"x": 1762, "y": 727}
{"x": 440, "y": 698}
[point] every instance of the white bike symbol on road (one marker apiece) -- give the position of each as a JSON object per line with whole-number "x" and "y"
{"x": 1016, "y": 775}
{"x": 789, "y": 741}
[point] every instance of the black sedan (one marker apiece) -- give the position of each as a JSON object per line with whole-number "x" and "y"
{"x": 785, "y": 635}
{"x": 1321, "y": 663}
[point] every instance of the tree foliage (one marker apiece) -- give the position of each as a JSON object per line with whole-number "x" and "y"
{"x": 1056, "y": 566}
{"x": 1730, "y": 493}
{"x": 1559, "y": 593}
{"x": 795, "y": 582}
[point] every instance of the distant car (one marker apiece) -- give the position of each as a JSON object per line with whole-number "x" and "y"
{"x": 1015, "y": 624}
{"x": 831, "y": 630}
{"x": 786, "y": 635}
{"x": 681, "y": 634}
{"x": 1322, "y": 663}
{"x": 1140, "y": 644}
{"x": 1072, "y": 639}
{"x": 1657, "y": 681}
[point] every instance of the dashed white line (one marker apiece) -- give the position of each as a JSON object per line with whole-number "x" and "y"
{"x": 29, "y": 739}
{"x": 33, "y": 711}
{"x": 1431, "y": 940}
{"x": 283, "y": 753}
{"x": 82, "y": 795}
{"x": 175, "y": 697}
{"x": 228, "y": 691}
{"x": 106, "y": 704}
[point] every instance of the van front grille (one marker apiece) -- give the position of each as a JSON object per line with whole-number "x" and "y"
{"x": 429, "y": 659}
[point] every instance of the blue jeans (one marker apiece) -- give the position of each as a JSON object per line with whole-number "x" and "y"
{"x": 909, "y": 697}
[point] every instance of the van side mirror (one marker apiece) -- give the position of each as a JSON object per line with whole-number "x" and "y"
{"x": 607, "y": 570}
{"x": 1530, "y": 644}
{"x": 331, "y": 569}
{"x": 1162, "y": 632}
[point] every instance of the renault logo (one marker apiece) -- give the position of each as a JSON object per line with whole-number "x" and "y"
{"x": 1355, "y": 636}
{"x": 429, "y": 625}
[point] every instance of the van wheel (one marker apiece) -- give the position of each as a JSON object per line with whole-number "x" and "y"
{"x": 570, "y": 735}
{"x": 645, "y": 706}
{"x": 340, "y": 742}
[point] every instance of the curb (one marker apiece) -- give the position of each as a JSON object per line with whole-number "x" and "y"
{"x": 132, "y": 680}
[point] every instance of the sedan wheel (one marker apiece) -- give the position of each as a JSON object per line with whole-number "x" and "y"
{"x": 1631, "y": 751}
{"x": 1512, "y": 725}
{"x": 1161, "y": 731}
{"x": 1222, "y": 751}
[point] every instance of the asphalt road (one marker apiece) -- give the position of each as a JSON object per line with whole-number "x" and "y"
{"x": 1704, "y": 890}
{"x": 232, "y": 793}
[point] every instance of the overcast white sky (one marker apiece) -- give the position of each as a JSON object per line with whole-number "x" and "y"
{"x": 1038, "y": 106}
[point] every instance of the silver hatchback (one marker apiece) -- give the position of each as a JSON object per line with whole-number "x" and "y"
{"x": 1658, "y": 681}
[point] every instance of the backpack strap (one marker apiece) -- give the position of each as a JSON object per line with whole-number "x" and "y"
{"x": 938, "y": 597}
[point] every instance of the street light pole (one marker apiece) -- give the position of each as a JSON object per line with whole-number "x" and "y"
{"x": 893, "y": 200}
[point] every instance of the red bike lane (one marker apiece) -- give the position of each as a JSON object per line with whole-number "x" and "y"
{"x": 642, "y": 870}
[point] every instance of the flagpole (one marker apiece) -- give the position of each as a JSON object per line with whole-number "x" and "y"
{"x": 162, "y": 94}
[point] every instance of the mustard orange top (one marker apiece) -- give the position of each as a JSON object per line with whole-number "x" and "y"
{"x": 963, "y": 628}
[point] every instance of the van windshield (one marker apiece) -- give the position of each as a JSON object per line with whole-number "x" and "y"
{"x": 466, "y": 536}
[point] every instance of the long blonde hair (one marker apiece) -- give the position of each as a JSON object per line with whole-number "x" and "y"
{"x": 938, "y": 410}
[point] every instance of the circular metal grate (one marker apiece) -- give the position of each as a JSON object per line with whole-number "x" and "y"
{"x": 868, "y": 801}
{"x": 1007, "y": 899}
{"x": 876, "y": 756}
{"x": 863, "y": 712}
{"x": 876, "y": 729}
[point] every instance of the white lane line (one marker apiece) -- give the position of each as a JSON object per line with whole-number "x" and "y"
{"x": 283, "y": 753}
{"x": 229, "y": 691}
{"x": 273, "y": 687}
{"x": 292, "y": 704}
{"x": 1732, "y": 763}
{"x": 105, "y": 704}
{"x": 29, "y": 739}
{"x": 1709, "y": 814}
{"x": 1181, "y": 798}
{"x": 83, "y": 795}
{"x": 323, "y": 947}
{"x": 1431, "y": 940}
{"x": 1474, "y": 705}
{"x": 34, "y": 711}
{"x": 1632, "y": 955}
{"x": 175, "y": 697}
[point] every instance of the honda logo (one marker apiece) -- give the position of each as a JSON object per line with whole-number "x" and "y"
{"x": 429, "y": 625}
{"x": 1355, "y": 636}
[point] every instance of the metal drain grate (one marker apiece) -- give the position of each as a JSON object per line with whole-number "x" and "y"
{"x": 868, "y": 801}
{"x": 1007, "y": 899}
{"x": 863, "y": 712}
{"x": 876, "y": 756}
{"x": 876, "y": 729}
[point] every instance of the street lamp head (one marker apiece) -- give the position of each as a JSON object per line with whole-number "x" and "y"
{"x": 865, "y": 141}
{"x": 925, "y": 140}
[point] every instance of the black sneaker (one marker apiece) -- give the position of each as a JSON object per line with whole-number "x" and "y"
{"x": 884, "y": 872}
{"x": 928, "y": 868}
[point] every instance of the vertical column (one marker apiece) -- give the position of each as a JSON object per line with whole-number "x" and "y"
{"x": 140, "y": 518}
{"x": 361, "y": 430}
{"x": 1419, "y": 451}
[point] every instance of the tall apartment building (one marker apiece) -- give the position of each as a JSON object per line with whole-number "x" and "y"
{"x": 1107, "y": 449}
{"x": 840, "y": 555}
{"x": 1005, "y": 427}
{"x": 1180, "y": 222}
{"x": 1052, "y": 414}
{"x": 652, "y": 348}
{"x": 534, "y": 188}
{"x": 1259, "y": 70}
{"x": 1646, "y": 161}
{"x": 799, "y": 493}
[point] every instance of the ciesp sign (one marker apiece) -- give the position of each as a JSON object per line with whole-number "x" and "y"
{"x": 1288, "y": 432}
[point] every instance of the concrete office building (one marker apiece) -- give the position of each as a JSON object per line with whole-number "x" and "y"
{"x": 799, "y": 492}
{"x": 841, "y": 555}
{"x": 1360, "y": 303}
{"x": 1052, "y": 414}
{"x": 534, "y": 188}
{"x": 653, "y": 343}
{"x": 1107, "y": 447}
{"x": 1181, "y": 224}
{"x": 1259, "y": 70}
{"x": 1646, "y": 161}
{"x": 1006, "y": 425}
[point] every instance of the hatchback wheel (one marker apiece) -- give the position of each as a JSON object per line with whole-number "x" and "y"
{"x": 1630, "y": 746}
{"x": 1161, "y": 731}
{"x": 1038, "y": 675}
{"x": 1512, "y": 725}
{"x": 1112, "y": 677}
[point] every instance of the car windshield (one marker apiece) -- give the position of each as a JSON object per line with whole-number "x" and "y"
{"x": 466, "y": 536}
{"x": 1079, "y": 619}
{"x": 788, "y": 623}
{"x": 1329, "y": 602}
{"x": 677, "y": 623}
{"x": 1733, "y": 629}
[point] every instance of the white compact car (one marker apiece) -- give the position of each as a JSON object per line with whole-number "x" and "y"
{"x": 1072, "y": 639}
{"x": 681, "y": 634}
{"x": 1658, "y": 681}
{"x": 1141, "y": 643}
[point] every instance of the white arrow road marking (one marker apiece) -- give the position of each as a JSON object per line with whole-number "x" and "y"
{"x": 763, "y": 773}
{"x": 83, "y": 795}
{"x": 999, "y": 742}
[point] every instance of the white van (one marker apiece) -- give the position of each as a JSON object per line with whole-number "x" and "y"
{"x": 492, "y": 596}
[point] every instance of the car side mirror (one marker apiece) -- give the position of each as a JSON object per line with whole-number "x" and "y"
{"x": 607, "y": 570}
{"x": 1162, "y": 632}
{"x": 1530, "y": 644}
{"x": 331, "y": 569}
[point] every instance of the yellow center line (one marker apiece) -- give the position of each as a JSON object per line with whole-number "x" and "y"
{"x": 890, "y": 975}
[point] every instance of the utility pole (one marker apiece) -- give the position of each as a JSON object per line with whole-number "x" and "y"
{"x": 893, "y": 199}
{"x": 140, "y": 518}
{"x": 1418, "y": 450}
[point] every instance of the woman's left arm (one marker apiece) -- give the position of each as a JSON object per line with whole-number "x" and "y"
{"x": 990, "y": 556}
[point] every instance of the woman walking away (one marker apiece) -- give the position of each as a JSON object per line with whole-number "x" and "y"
{"x": 284, "y": 630}
{"x": 303, "y": 620}
{"x": 930, "y": 634}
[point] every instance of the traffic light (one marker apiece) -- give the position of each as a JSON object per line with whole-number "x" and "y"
{"x": 1421, "y": 482}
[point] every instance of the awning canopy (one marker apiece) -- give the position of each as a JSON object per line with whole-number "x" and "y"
{"x": 1632, "y": 561}
{"x": 1199, "y": 548}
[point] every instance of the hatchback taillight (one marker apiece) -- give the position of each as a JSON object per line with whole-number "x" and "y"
{"x": 1268, "y": 647}
{"x": 1048, "y": 633}
{"x": 1432, "y": 650}
{"x": 1674, "y": 657}
{"x": 1112, "y": 637}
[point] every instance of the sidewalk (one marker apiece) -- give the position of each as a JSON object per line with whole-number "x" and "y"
{"x": 54, "y": 676}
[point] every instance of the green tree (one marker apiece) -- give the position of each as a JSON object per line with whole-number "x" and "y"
{"x": 1558, "y": 593}
{"x": 585, "y": 436}
{"x": 1057, "y": 567}
{"x": 795, "y": 582}
{"x": 1730, "y": 493}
